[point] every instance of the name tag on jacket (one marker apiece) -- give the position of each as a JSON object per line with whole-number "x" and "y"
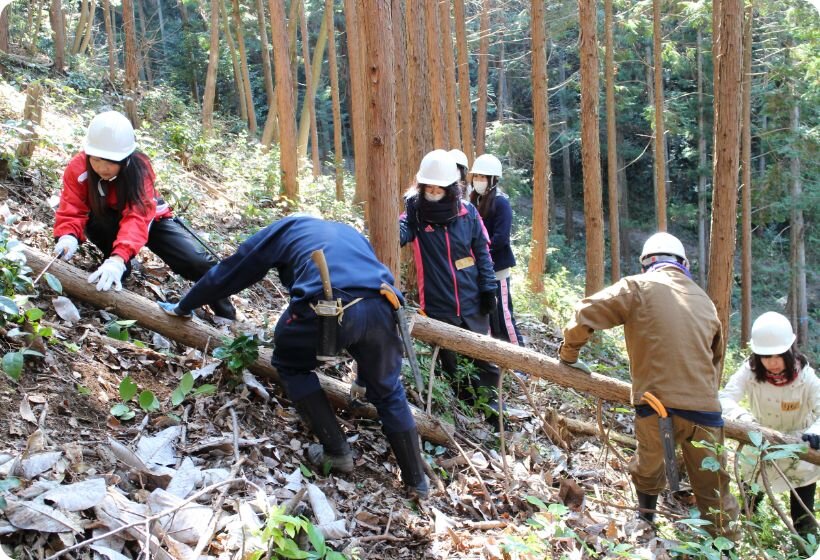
{"x": 787, "y": 406}
{"x": 466, "y": 262}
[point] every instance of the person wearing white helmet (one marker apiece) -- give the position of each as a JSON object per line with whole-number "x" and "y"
{"x": 674, "y": 340}
{"x": 783, "y": 393}
{"x": 496, "y": 212}
{"x": 463, "y": 163}
{"x": 109, "y": 198}
{"x": 455, "y": 274}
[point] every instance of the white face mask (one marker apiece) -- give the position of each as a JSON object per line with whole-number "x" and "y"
{"x": 433, "y": 197}
{"x": 480, "y": 186}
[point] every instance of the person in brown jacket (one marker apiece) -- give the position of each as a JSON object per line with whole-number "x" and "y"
{"x": 675, "y": 346}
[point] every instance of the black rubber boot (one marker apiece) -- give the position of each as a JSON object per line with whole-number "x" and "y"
{"x": 408, "y": 455}
{"x": 803, "y": 522}
{"x": 224, "y": 308}
{"x": 316, "y": 412}
{"x": 647, "y": 501}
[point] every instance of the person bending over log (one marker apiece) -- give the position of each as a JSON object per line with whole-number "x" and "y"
{"x": 109, "y": 197}
{"x": 361, "y": 321}
{"x": 783, "y": 393}
{"x": 675, "y": 346}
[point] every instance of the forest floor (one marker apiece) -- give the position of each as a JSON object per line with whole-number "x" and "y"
{"x": 73, "y": 471}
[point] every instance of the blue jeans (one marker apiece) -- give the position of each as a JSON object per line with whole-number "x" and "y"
{"x": 369, "y": 333}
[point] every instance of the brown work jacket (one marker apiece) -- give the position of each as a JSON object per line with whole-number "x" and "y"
{"x": 673, "y": 336}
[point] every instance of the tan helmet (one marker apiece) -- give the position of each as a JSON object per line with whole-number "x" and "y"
{"x": 487, "y": 164}
{"x": 772, "y": 334}
{"x": 460, "y": 157}
{"x": 110, "y": 136}
{"x": 438, "y": 168}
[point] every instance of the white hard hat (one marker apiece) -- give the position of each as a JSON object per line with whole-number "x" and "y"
{"x": 438, "y": 168}
{"x": 110, "y": 136}
{"x": 487, "y": 164}
{"x": 663, "y": 243}
{"x": 460, "y": 157}
{"x": 772, "y": 334}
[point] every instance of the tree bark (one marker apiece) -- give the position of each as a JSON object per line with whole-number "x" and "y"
{"x": 131, "y": 79}
{"x": 284, "y": 100}
{"x": 746, "y": 186}
{"x": 435, "y": 75}
{"x": 355, "y": 57}
{"x": 727, "y": 151}
{"x": 660, "y": 129}
{"x": 465, "y": 104}
{"x": 109, "y": 36}
{"x": 381, "y": 132}
{"x": 145, "y": 45}
{"x": 267, "y": 71}
{"x": 338, "y": 163}
{"x": 611, "y": 147}
{"x": 307, "y": 122}
{"x": 483, "y": 70}
{"x": 243, "y": 63}
{"x": 37, "y": 6}
{"x": 703, "y": 234}
{"x": 32, "y": 115}
{"x": 591, "y": 148}
{"x": 237, "y": 69}
{"x": 404, "y": 164}
{"x": 161, "y": 20}
{"x": 420, "y": 129}
{"x": 79, "y": 31}
{"x": 800, "y": 317}
{"x": 89, "y": 28}
{"x": 4, "y": 28}
{"x": 209, "y": 95}
{"x": 449, "y": 72}
{"x": 55, "y": 17}
{"x": 541, "y": 158}
{"x": 566, "y": 162}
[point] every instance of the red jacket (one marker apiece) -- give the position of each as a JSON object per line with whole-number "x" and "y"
{"x": 72, "y": 215}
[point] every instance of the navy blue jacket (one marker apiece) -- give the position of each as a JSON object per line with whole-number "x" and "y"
{"x": 498, "y": 228}
{"x": 452, "y": 261}
{"x": 286, "y": 245}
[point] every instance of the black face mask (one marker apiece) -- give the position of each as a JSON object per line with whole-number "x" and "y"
{"x": 439, "y": 212}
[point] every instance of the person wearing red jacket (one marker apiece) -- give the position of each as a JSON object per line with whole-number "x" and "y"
{"x": 109, "y": 198}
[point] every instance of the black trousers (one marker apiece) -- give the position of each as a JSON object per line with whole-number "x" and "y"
{"x": 170, "y": 242}
{"x": 488, "y": 373}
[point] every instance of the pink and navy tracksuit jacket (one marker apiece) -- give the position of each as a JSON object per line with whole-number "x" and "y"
{"x": 453, "y": 263}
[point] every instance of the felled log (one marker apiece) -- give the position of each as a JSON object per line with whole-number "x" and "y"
{"x": 196, "y": 333}
{"x": 539, "y": 365}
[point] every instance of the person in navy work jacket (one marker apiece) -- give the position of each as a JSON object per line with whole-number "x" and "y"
{"x": 367, "y": 330}
{"x": 456, "y": 281}
{"x": 110, "y": 198}
{"x": 496, "y": 212}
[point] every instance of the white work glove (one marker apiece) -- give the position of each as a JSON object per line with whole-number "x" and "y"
{"x": 579, "y": 365}
{"x": 746, "y": 417}
{"x": 66, "y": 247}
{"x": 110, "y": 273}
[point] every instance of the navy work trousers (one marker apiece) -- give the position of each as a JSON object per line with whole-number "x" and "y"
{"x": 368, "y": 332}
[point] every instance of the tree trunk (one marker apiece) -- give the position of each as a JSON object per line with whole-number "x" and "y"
{"x": 501, "y": 92}
{"x": 650, "y": 94}
{"x": 746, "y": 186}
{"x": 109, "y": 36}
{"x": 623, "y": 201}
{"x": 89, "y": 28}
{"x": 213, "y": 66}
{"x": 161, "y": 20}
{"x": 34, "y": 32}
{"x": 131, "y": 70}
{"x": 435, "y": 75}
{"x": 483, "y": 69}
{"x": 307, "y": 121}
{"x": 541, "y": 158}
{"x": 591, "y": 148}
{"x": 32, "y": 116}
{"x": 284, "y": 100}
{"x": 703, "y": 234}
{"x": 145, "y": 45}
{"x": 800, "y": 318}
{"x": 660, "y": 129}
{"x": 355, "y": 57}
{"x": 465, "y": 104}
{"x": 381, "y": 133}
{"x": 4, "y": 28}
{"x": 55, "y": 18}
{"x": 338, "y": 163}
{"x": 449, "y": 72}
{"x": 243, "y": 66}
{"x": 267, "y": 71}
{"x": 404, "y": 164}
{"x": 237, "y": 70}
{"x": 566, "y": 162}
{"x": 727, "y": 151}
{"x": 420, "y": 129}
{"x": 611, "y": 148}
{"x": 79, "y": 31}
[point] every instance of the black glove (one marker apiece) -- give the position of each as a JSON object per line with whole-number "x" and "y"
{"x": 487, "y": 304}
{"x": 813, "y": 439}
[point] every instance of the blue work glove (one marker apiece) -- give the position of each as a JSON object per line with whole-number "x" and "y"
{"x": 813, "y": 439}
{"x": 487, "y": 303}
{"x": 173, "y": 309}
{"x": 579, "y": 365}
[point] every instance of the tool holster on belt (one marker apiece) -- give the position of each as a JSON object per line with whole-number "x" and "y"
{"x": 330, "y": 317}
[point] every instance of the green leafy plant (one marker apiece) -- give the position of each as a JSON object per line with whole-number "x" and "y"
{"x": 129, "y": 389}
{"x": 119, "y": 329}
{"x": 281, "y": 532}
{"x": 239, "y": 353}
{"x": 186, "y": 387}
